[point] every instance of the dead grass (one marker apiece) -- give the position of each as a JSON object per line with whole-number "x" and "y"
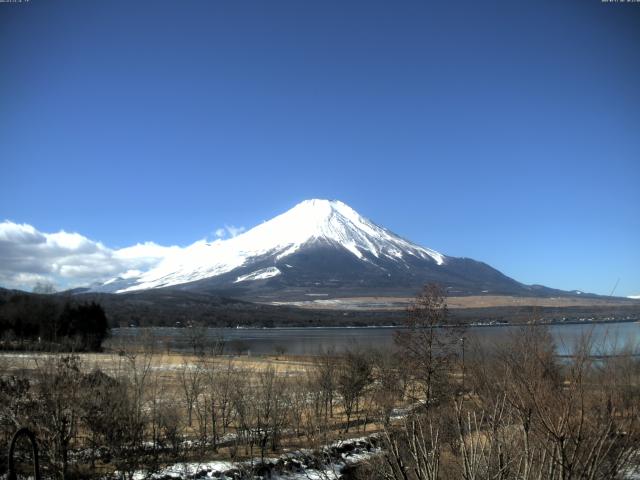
{"x": 473, "y": 301}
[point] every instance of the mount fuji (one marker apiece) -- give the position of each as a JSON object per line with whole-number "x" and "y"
{"x": 319, "y": 248}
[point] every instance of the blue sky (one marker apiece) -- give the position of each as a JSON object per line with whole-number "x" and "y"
{"x": 508, "y": 132}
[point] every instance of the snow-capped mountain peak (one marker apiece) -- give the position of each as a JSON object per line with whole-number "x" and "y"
{"x": 332, "y": 220}
{"x": 315, "y": 221}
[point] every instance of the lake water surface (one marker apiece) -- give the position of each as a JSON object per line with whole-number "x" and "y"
{"x": 607, "y": 337}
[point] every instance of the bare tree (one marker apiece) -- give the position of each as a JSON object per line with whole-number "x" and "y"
{"x": 547, "y": 420}
{"x": 428, "y": 347}
{"x": 325, "y": 377}
{"x": 191, "y": 378}
{"x": 197, "y": 338}
{"x": 58, "y": 391}
{"x": 131, "y": 416}
{"x": 270, "y": 409}
{"x": 225, "y": 381}
{"x": 316, "y": 418}
{"x": 298, "y": 398}
{"x": 412, "y": 450}
{"x": 213, "y": 405}
{"x": 354, "y": 375}
{"x": 388, "y": 384}
{"x": 241, "y": 395}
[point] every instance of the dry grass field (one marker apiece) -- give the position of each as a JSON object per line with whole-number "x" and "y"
{"x": 472, "y": 301}
{"x": 194, "y": 408}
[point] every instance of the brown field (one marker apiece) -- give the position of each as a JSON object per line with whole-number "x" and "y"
{"x": 168, "y": 364}
{"x": 474, "y": 301}
{"x": 164, "y": 379}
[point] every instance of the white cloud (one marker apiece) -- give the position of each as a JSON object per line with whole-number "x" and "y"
{"x": 67, "y": 260}
{"x": 228, "y": 231}
{"x": 145, "y": 253}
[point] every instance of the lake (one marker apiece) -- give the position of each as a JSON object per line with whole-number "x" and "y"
{"x": 607, "y": 337}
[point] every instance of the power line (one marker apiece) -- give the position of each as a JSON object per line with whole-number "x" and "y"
{"x": 614, "y": 287}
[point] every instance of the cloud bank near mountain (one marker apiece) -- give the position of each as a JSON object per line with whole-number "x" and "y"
{"x": 66, "y": 260}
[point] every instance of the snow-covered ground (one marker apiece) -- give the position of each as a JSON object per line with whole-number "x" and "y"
{"x": 296, "y": 465}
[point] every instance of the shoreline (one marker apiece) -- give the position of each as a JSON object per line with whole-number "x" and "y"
{"x": 382, "y": 327}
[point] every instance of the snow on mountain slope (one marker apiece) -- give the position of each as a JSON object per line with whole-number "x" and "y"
{"x": 308, "y": 222}
{"x": 259, "y": 274}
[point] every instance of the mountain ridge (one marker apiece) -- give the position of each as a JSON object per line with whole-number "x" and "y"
{"x": 320, "y": 248}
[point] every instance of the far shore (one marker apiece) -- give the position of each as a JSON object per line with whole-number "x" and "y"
{"x": 352, "y": 327}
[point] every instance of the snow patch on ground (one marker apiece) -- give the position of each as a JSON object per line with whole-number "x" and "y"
{"x": 186, "y": 470}
{"x": 290, "y": 466}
